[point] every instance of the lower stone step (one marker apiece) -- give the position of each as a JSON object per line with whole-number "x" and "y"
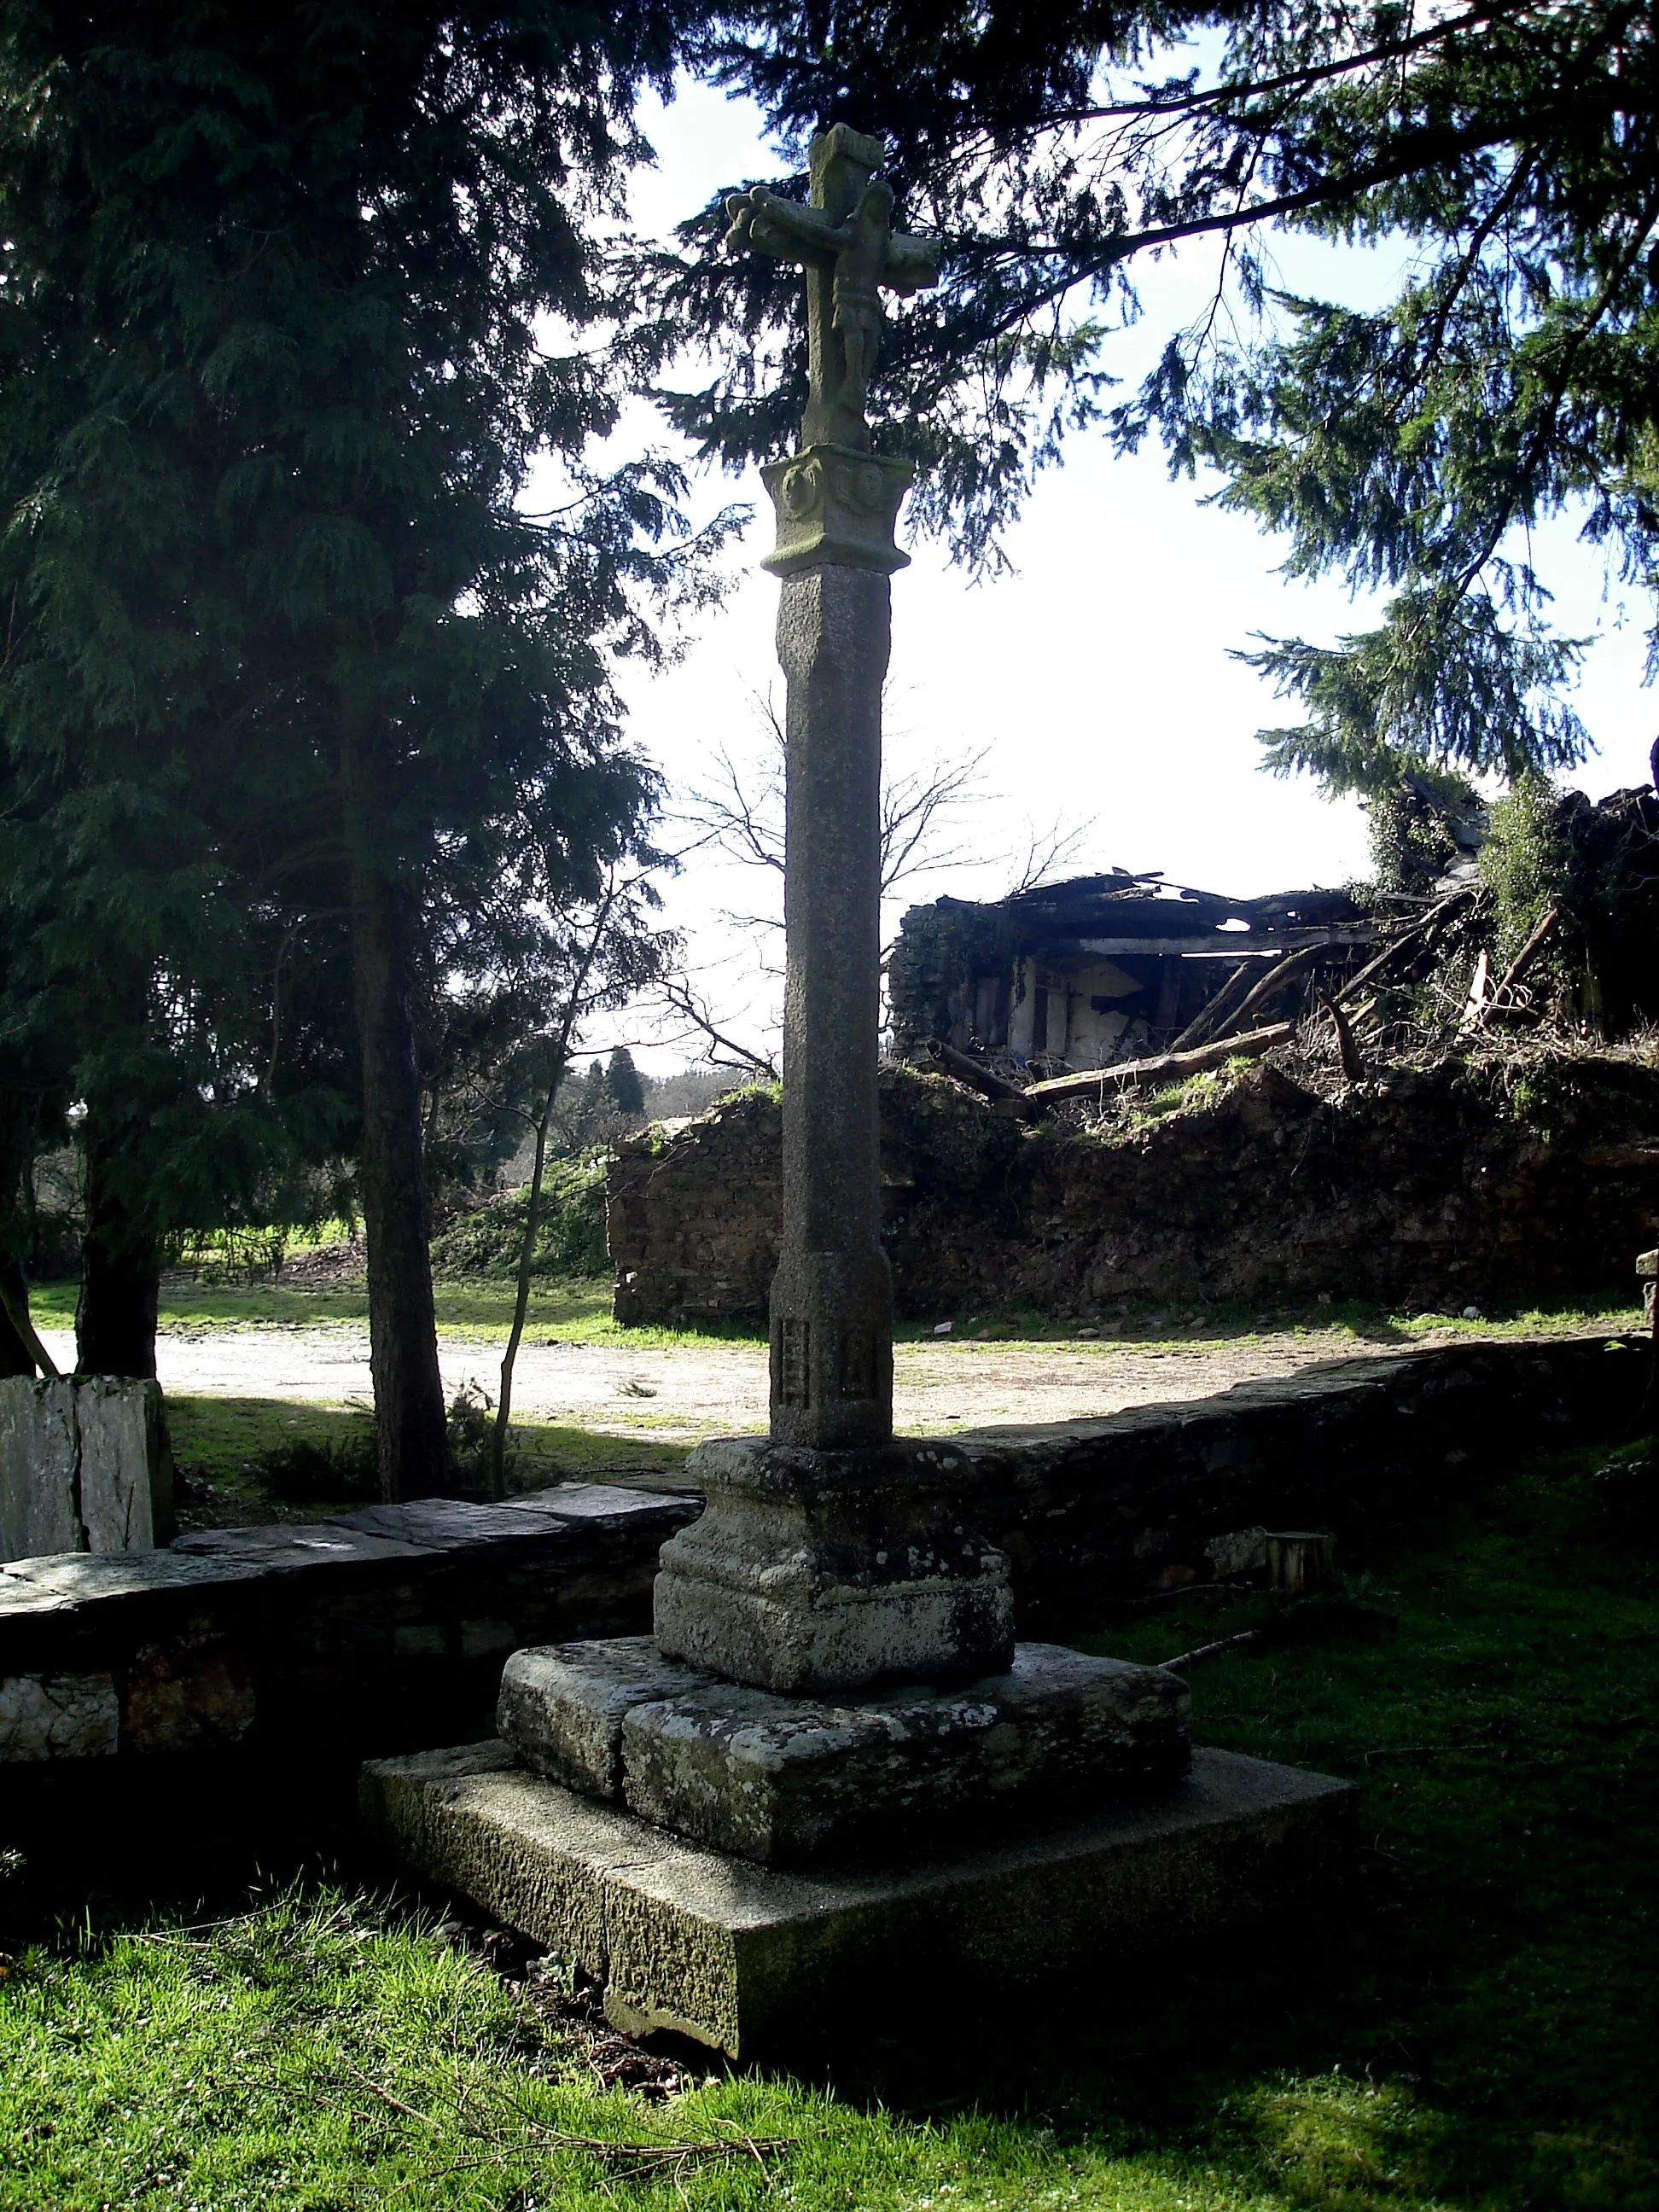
{"x": 795, "y": 1781}
{"x": 764, "y": 1965}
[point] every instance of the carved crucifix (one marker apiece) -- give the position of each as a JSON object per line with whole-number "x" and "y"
{"x": 845, "y": 239}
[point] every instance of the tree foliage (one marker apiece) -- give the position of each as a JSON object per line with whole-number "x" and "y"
{"x": 1507, "y": 146}
{"x": 290, "y": 664}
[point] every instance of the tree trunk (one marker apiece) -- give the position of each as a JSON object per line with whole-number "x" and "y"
{"x": 408, "y": 1399}
{"x": 120, "y": 1264}
{"x": 16, "y": 1357}
{"x": 532, "y": 1218}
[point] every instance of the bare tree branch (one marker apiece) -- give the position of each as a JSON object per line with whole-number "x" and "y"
{"x": 721, "y": 1050}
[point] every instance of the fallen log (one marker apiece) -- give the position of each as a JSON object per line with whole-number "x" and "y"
{"x": 1523, "y": 960}
{"x": 984, "y": 1080}
{"x": 1419, "y": 929}
{"x": 1166, "y": 1067}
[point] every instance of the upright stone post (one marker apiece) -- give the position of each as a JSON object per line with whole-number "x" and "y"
{"x": 832, "y": 1300}
{"x": 831, "y": 1558}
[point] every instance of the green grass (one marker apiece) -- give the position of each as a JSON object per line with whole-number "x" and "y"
{"x": 1355, "y": 1323}
{"x": 1475, "y": 2033}
{"x": 223, "y": 1447}
{"x": 481, "y": 1309}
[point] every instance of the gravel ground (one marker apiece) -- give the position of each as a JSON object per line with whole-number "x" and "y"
{"x": 688, "y": 1392}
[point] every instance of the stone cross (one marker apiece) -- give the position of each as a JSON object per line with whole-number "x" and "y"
{"x": 837, "y": 504}
{"x": 844, "y": 238}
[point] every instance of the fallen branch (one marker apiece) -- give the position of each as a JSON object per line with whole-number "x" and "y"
{"x": 1475, "y": 1006}
{"x": 1214, "y": 1009}
{"x": 1390, "y": 953}
{"x": 984, "y": 1080}
{"x": 1189, "y": 1589}
{"x": 1353, "y": 1063}
{"x": 1273, "y": 983}
{"x": 1185, "y": 1659}
{"x": 1523, "y": 960}
{"x": 646, "y": 2155}
{"x": 1166, "y": 1067}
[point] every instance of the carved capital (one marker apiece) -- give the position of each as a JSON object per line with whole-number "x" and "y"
{"x": 836, "y": 507}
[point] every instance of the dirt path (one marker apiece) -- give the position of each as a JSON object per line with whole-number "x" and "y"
{"x": 686, "y": 1393}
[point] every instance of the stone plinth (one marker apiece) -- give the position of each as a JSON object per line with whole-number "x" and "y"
{"x": 787, "y": 1780}
{"x": 816, "y": 1573}
{"x": 764, "y": 1965}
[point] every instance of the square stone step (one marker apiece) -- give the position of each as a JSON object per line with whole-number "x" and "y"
{"x": 768, "y": 1967}
{"x": 792, "y": 1782}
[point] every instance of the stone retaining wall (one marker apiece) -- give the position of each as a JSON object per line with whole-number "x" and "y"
{"x": 293, "y": 1652}
{"x": 321, "y": 1640}
{"x": 1363, "y": 1447}
{"x": 1435, "y": 1188}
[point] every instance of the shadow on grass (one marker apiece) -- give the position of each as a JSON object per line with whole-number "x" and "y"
{"x": 1475, "y": 2023}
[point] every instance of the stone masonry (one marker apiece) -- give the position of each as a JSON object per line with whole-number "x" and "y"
{"x": 1438, "y": 1188}
{"x": 84, "y": 1467}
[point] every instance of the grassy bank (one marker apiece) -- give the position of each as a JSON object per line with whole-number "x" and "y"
{"x": 1474, "y": 2035}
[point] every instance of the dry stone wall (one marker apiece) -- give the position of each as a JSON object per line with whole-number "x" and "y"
{"x": 1435, "y": 1188}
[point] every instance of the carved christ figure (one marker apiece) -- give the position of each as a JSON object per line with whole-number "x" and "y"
{"x": 844, "y": 239}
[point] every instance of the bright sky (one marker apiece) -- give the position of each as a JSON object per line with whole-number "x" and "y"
{"x": 1097, "y": 677}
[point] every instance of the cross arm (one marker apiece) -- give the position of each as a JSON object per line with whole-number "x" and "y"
{"x": 912, "y": 263}
{"x": 784, "y": 228}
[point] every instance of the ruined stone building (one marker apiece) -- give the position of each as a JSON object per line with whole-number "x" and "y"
{"x": 1100, "y": 968}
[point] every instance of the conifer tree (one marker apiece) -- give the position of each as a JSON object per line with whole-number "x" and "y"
{"x": 1510, "y": 145}
{"x": 287, "y": 656}
{"x": 622, "y": 1079}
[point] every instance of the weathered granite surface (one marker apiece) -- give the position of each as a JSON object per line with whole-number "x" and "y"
{"x": 784, "y": 1781}
{"x": 561, "y": 1706}
{"x": 812, "y": 1572}
{"x": 788, "y": 1782}
{"x": 57, "y": 1717}
{"x": 765, "y": 1965}
{"x": 84, "y": 1465}
{"x": 831, "y": 1301}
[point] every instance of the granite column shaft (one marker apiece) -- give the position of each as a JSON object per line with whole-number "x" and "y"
{"x": 832, "y": 1301}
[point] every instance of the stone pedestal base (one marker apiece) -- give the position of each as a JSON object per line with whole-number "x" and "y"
{"x": 790, "y": 1782}
{"x": 817, "y": 1573}
{"x": 763, "y": 1965}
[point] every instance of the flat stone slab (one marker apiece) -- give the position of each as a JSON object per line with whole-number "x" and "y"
{"x": 761, "y": 1964}
{"x": 561, "y": 1706}
{"x": 791, "y": 1781}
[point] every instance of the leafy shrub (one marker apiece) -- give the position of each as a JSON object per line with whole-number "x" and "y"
{"x": 569, "y": 1238}
{"x": 1411, "y": 828}
{"x": 1523, "y": 863}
